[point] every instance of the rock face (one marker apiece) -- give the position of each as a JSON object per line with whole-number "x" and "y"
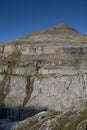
{"x": 59, "y": 92}
{"x": 47, "y": 69}
{"x": 17, "y": 91}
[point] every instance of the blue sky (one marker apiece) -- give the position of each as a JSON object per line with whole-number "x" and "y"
{"x": 21, "y": 17}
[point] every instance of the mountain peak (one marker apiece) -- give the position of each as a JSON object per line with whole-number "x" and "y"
{"x": 63, "y": 25}
{"x": 64, "y": 28}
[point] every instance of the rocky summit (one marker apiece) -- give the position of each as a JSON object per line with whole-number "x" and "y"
{"x": 46, "y": 70}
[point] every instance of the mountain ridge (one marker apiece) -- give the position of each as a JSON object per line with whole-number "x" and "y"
{"x": 62, "y": 28}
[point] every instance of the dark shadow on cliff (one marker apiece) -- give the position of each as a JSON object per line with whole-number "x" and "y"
{"x": 9, "y": 116}
{"x": 17, "y": 114}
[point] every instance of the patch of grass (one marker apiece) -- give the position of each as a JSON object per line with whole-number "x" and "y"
{"x": 15, "y": 56}
{"x": 65, "y": 75}
{"x": 19, "y": 75}
{"x": 2, "y": 96}
{"x": 84, "y": 42}
{"x": 28, "y": 125}
{"x": 70, "y": 121}
{"x": 35, "y": 124}
{"x": 43, "y": 76}
{"x": 28, "y": 78}
{"x": 4, "y": 72}
{"x": 61, "y": 122}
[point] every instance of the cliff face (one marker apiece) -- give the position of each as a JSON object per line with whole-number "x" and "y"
{"x": 46, "y": 86}
{"x": 47, "y": 69}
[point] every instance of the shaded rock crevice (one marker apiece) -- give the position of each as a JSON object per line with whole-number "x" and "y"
{"x": 7, "y": 78}
{"x": 5, "y": 83}
{"x": 29, "y": 89}
{"x": 67, "y": 84}
{"x": 83, "y": 83}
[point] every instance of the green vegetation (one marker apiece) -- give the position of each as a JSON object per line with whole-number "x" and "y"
{"x": 70, "y": 121}
{"x": 28, "y": 125}
{"x": 28, "y": 78}
{"x": 84, "y": 42}
{"x": 58, "y": 121}
{"x": 4, "y": 72}
{"x": 15, "y": 56}
{"x": 34, "y": 123}
{"x": 2, "y": 96}
{"x": 43, "y": 76}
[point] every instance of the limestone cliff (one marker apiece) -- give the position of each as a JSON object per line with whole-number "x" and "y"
{"x": 47, "y": 69}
